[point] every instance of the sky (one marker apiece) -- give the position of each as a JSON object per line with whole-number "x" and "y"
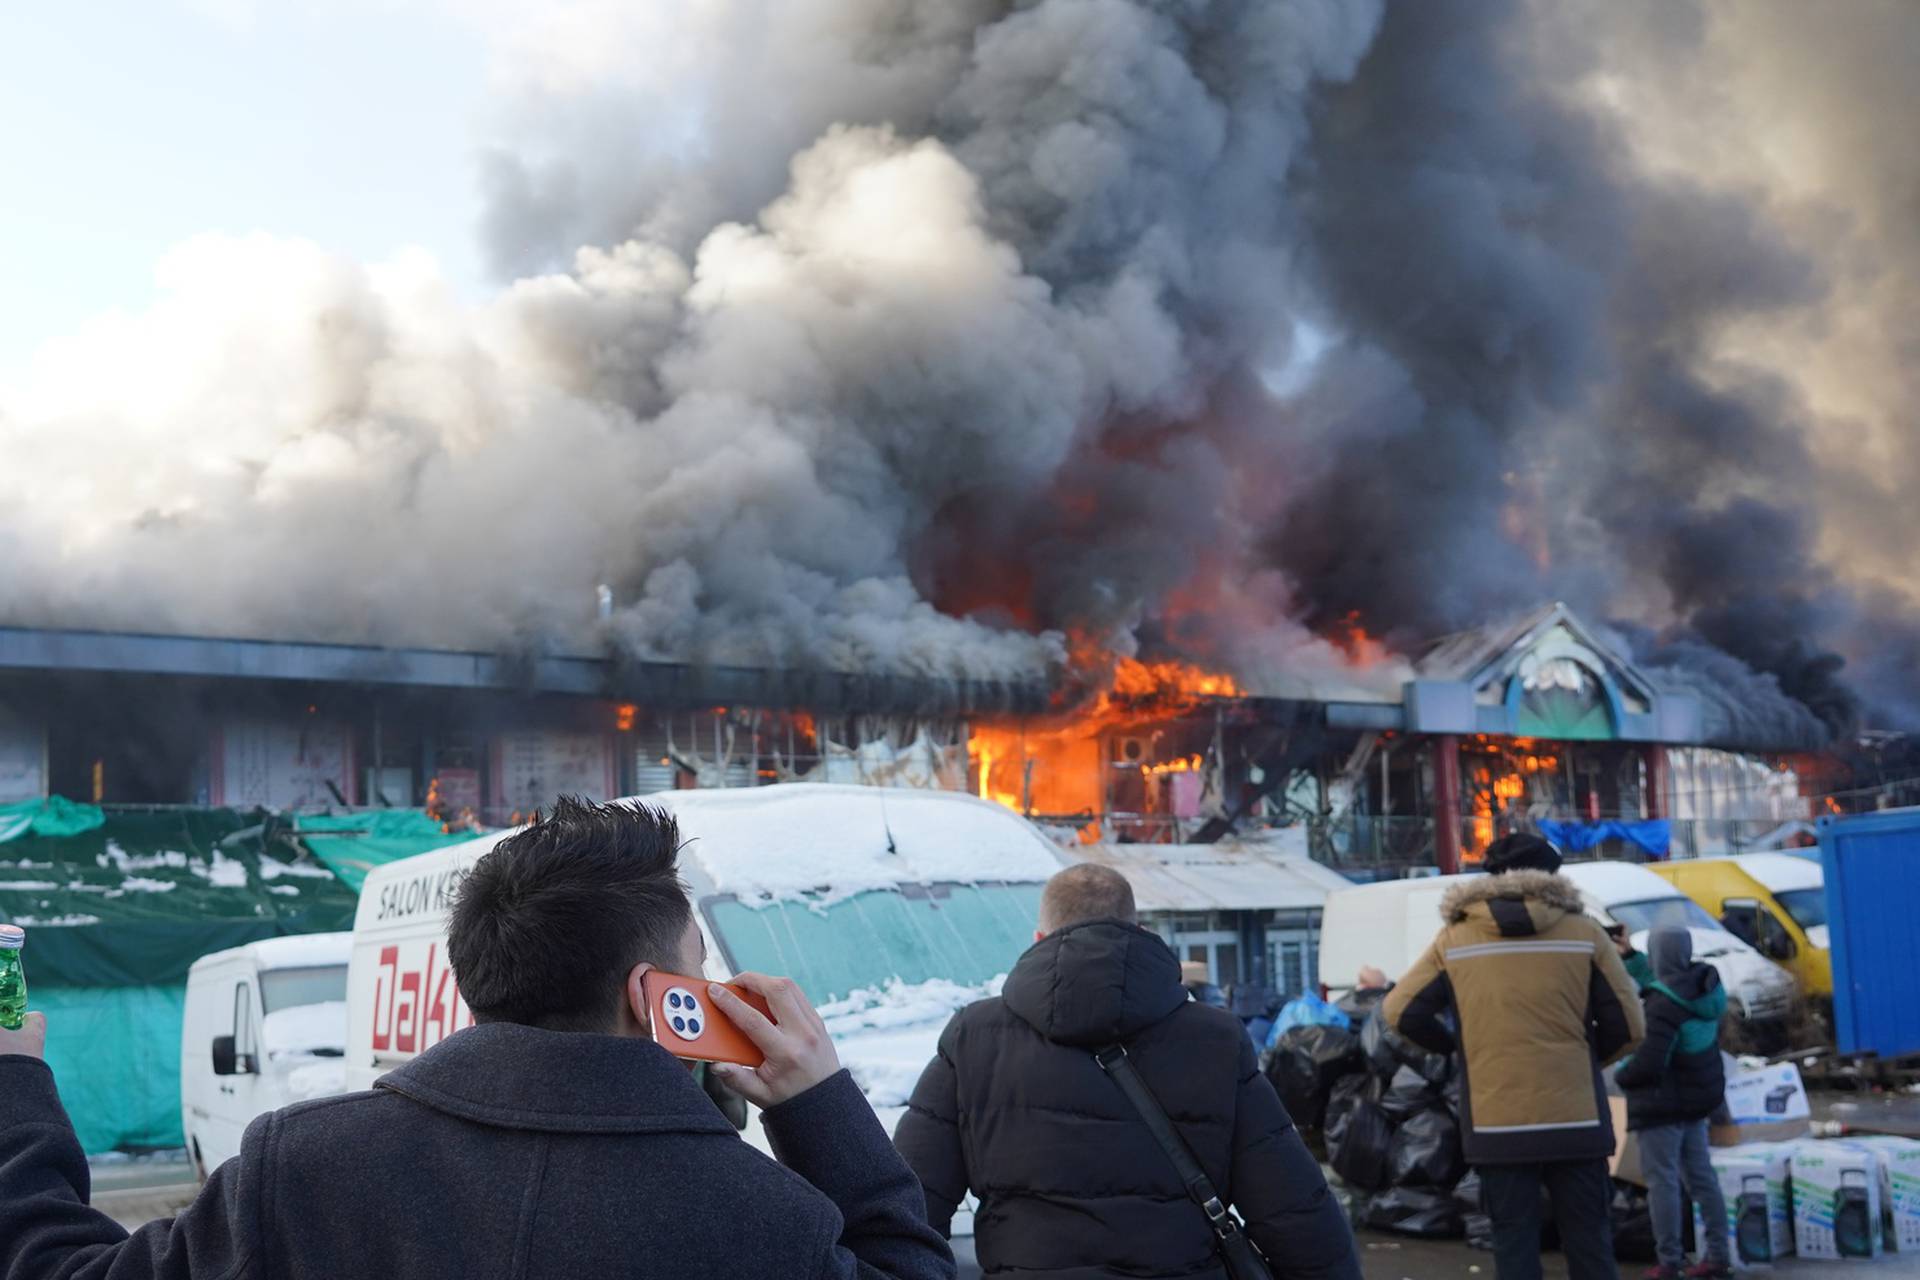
{"x": 128, "y": 126}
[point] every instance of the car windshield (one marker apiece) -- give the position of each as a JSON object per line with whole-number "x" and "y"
{"x": 965, "y": 934}
{"x": 289, "y": 988}
{"x": 1651, "y": 913}
{"x": 1808, "y": 907}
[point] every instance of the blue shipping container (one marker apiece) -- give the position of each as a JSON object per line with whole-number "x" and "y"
{"x": 1872, "y": 866}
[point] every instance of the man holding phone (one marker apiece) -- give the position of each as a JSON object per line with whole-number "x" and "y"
{"x": 555, "y": 1138}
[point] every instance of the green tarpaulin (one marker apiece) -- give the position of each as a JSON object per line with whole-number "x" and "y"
{"x": 136, "y": 900}
{"x": 352, "y": 844}
{"x": 54, "y": 816}
{"x": 118, "y": 905}
{"x": 116, "y": 1054}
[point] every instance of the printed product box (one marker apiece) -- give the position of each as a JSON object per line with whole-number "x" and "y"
{"x": 1753, "y": 1181}
{"x": 1899, "y": 1189}
{"x": 1766, "y": 1105}
{"x": 1836, "y": 1200}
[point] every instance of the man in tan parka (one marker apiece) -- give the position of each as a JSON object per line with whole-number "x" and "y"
{"x": 1541, "y": 1002}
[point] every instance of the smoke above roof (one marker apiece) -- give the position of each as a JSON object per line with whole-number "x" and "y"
{"x": 948, "y": 337}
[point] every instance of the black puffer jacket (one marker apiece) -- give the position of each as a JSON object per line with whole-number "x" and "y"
{"x": 1071, "y": 1184}
{"x": 1676, "y": 1076}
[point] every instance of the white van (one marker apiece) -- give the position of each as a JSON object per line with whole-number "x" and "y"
{"x": 1758, "y": 990}
{"x": 265, "y": 1025}
{"x": 1389, "y": 924}
{"x": 890, "y": 908}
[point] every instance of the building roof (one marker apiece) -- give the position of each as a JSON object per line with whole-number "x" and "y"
{"x": 1234, "y": 875}
{"x": 655, "y": 684}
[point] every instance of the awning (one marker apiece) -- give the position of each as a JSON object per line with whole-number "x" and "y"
{"x": 1233, "y": 875}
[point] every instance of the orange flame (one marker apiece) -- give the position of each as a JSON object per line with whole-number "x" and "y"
{"x": 1363, "y": 648}
{"x": 1057, "y": 768}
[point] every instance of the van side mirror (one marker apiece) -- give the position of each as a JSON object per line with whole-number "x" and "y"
{"x": 226, "y": 1062}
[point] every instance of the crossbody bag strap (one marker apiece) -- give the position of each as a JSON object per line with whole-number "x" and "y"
{"x": 1114, "y": 1061}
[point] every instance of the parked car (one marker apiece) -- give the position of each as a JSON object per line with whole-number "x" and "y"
{"x": 1774, "y": 901}
{"x": 1390, "y": 923}
{"x": 265, "y": 1025}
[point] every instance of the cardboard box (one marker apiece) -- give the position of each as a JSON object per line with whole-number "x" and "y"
{"x": 1759, "y": 1224}
{"x": 1768, "y": 1105}
{"x": 1625, "y": 1164}
{"x": 1899, "y": 1189}
{"x": 1836, "y": 1200}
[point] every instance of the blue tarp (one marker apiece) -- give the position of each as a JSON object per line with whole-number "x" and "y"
{"x": 1654, "y": 835}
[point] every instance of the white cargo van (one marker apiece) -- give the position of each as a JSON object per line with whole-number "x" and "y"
{"x": 1389, "y": 924}
{"x": 265, "y": 1025}
{"x": 890, "y": 908}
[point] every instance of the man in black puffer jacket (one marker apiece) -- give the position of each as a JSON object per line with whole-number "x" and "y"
{"x": 1070, "y": 1182}
{"x": 1673, "y": 1082}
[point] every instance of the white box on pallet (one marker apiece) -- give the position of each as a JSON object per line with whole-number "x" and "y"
{"x": 1836, "y": 1200}
{"x": 1899, "y": 1189}
{"x": 1753, "y": 1182}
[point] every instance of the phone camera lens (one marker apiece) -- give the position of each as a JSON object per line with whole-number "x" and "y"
{"x": 693, "y": 1028}
{"x": 679, "y": 1024}
{"x": 673, "y": 999}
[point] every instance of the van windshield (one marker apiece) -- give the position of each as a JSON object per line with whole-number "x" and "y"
{"x": 966, "y": 934}
{"x": 1808, "y": 907}
{"x": 289, "y": 988}
{"x": 1651, "y": 913}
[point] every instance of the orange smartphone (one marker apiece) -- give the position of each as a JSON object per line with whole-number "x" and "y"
{"x": 688, "y": 1025}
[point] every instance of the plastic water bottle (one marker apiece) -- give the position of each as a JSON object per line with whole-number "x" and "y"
{"x": 13, "y": 979}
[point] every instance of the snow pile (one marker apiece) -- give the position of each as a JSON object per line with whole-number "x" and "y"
{"x": 284, "y": 890}
{"x": 900, "y": 1004}
{"x": 223, "y": 872}
{"x": 305, "y": 1028}
{"x": 28, "y": 884}
{"x": 322, "y": 1078}
{"x": 141, "y": 884}
{"x": 785, "y": 842}
{"x": 55, "y": 922}
{"x": 271, "y": 869}
{"x": 117, "y": 857}
{"x": 886, "y": 1037}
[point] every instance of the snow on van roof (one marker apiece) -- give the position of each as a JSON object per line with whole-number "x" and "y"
{"x": 1606, "y": 882}
{"x": 797, "y": 839}
{"x": 301, "y": 951}
{"x": 822, "y": 840}
{"x": 1782, "y": 872}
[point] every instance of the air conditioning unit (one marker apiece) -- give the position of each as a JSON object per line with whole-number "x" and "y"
{"x": 1131, "y": 750}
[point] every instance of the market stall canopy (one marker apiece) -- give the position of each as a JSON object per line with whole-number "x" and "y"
{"x": 352, "y": 844}
{"x": 1272, "y": 874}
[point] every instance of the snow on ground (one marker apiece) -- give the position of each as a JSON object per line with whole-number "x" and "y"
{"x": 785, "y": 842}
{"x": 35, "y": 885}
{"x": 886, "y": 1037}
{"x": 305, "y": 1027}
{"x": 55, "y": 922}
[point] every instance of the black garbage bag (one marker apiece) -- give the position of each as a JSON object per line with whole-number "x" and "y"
{"x": 1426, "y": 1152}
{"x": 1633, "y": 1224}
{"x": 1347, "y": 1091}
{"x": 1357, "y": 1004}
{"x": 1305, "y": 1064}
{"x": 1413, "y": 1211}
{"x": 1387, "y": 1051}
{"x": 1408, "y": 1094}
{"x": 1359, "y": 1153}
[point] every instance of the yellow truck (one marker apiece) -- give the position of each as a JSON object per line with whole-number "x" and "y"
{"x": 1775, "y": 901}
